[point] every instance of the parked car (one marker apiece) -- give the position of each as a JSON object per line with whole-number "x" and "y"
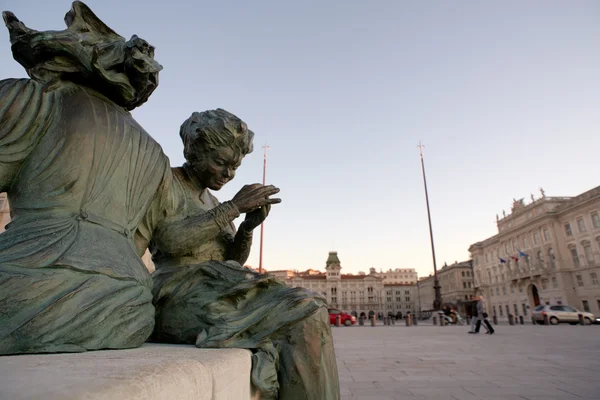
{"x": 346, "y": 318}
{"x": 561, "y": 313}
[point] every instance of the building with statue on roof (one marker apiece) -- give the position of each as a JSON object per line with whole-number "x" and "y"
{"x": 545, "y": 252}
{"x": 355, "y": 294}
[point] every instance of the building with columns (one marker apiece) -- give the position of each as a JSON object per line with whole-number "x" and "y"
{"x": 545, "y": 252}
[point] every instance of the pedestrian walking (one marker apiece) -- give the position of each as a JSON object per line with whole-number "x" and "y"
{"x": 482, "y": 317}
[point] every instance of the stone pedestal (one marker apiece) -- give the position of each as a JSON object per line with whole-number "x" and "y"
{"x": 152, "y": 372}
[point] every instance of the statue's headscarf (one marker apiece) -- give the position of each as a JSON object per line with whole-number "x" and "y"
{"x": 88, "y": 53}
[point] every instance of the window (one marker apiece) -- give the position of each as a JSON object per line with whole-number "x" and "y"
{"x": 516, "y": 309}
{"x": 501, "y": 312}
{"x": 554, "y": 283}
{"x": 507, "y": 310}
{"x": 525, "y": 243}
{"x": 536, "y": 238}
{"x": 595, "y": 220}
{"x": 497, "y": 291}
{"x": 586, "y": 306}
{"x": 407, "y": 292}
{"x": 494, "y": 308}
{"x": 520, "y": 289}
{"x": 546, "y": 235}
{"x": 464, "y": 285}
{"x": 398, "y": 299}
{"x": 551, "y": 258}
{"x": 504, "y": 290}
{"x": 579, "y": 280}
{"x": 540, "y": 258}
{"x": 581, "y": 225}
{"x": 587, "y": 250}
{"x": 407, "y": 298}
{"x": 544, "y": 284}
{"x": 512, "y": 289}
{"x": 389, "y": 299}
{"x": 594, "y": 278}
{"x": 574, "y": 256}
{"x": 568, "y": 231}
{"x": 462, "y": 274}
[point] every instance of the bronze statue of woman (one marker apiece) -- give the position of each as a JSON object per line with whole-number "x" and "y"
{"x": 80, "y": 174}
{"x": 204, "y": 296}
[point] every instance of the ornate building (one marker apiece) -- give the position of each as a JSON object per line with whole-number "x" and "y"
{"x": 545, "y": 252}
{"x": 354, "y": 294}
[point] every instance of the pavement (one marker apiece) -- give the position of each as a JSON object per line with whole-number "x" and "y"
{"x": 521, "y": 362}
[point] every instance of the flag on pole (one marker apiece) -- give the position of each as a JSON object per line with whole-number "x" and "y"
{"x": 521, "y": 254}
{"x": 503, "y": 261}
{"x": 515, "y": 258}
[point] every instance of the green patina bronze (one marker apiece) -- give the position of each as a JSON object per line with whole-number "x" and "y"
{"x": 90, "y": 189}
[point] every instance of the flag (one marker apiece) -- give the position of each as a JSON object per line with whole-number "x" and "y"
{"x": 515, "y": 258}
{"x": 521, "y": 254}
{"x": 502, "y": 260}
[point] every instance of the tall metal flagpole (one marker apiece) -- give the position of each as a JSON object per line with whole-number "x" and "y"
{"x": 437, "y": 302}
{"x": 262, "y": 225}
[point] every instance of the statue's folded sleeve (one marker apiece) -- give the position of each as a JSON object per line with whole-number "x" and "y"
{"x": 26, "y": 112}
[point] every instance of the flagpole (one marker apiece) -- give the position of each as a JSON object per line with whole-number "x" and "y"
{"x": 262, "y": 225}
{"x": 437, "y": 302}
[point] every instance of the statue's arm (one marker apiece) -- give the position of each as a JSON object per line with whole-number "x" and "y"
{"x": 242, "y": 243}
{"x": 25, "y": 115}
{"x": 181, "y": 234}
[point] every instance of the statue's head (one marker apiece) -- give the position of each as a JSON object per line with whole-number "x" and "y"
{"x": 88, "y": 53}
{"x": 214, "y": 144}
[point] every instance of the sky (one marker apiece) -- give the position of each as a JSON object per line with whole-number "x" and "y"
{"x": 505, "y": 96}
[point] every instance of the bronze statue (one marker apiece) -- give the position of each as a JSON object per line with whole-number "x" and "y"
{"x": 90, "y": 189}
{"x": 204, "y": 296}
{"x": 79, "y": 173}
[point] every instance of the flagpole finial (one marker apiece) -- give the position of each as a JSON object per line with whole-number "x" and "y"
{"x": 421, "y": 147}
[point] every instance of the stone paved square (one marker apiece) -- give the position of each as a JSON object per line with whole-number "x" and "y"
{"x": 523, "y": 362}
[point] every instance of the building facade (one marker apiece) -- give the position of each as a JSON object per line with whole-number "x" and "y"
{"x": 405, "y": 276}
{"x": 400, "y": 299}
{"x": 545, "y": 252}
{"x": 456, "y": 287}
{"x": 355, "y": 294}
{"x": 4, "y": 212}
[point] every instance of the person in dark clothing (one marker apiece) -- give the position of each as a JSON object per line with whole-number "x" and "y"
{"x": 481, "y": 316}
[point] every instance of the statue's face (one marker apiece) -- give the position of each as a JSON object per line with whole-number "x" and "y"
{"x": 217, "y": 167}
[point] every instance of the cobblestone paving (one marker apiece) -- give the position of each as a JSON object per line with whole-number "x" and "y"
{"x": 521, "y": 362}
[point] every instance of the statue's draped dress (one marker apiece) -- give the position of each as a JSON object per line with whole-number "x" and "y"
{"x": 203, "y": 299}
{"x": 88, "y": 189}
{"x": 80, "y": 174}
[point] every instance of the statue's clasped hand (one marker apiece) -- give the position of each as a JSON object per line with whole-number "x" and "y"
{"x": 255, "y": 200}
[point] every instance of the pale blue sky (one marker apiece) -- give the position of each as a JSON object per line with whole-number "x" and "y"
{"x": 505, "y": 96}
